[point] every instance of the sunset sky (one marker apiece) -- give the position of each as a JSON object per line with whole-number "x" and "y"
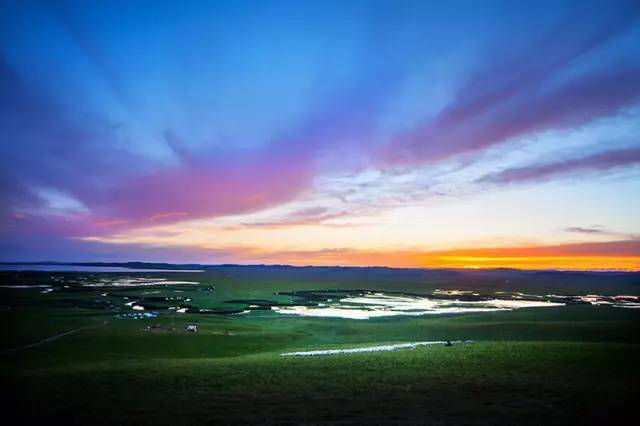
{"x": 425, "y": 134}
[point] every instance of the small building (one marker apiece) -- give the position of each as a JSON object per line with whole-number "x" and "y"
{"x": 192, "y": 328}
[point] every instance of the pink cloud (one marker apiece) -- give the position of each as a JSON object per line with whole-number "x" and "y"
{"x": 168, "y": 215}
{"x": 225, "y": 186}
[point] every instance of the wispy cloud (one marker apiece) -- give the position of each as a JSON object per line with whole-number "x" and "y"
{"x": 598, "y": 162}
{"x": 527, "y": 94}
{"x": 592, "y": 230}
{"x": 125, "y": 190}
{"x": 598, "y": 230}
{"x": 318, "y": 216}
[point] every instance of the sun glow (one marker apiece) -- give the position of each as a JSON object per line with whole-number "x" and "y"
{"x": 627, "y": 263}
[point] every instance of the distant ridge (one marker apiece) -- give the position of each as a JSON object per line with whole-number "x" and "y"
{"x": 192, "y": 266}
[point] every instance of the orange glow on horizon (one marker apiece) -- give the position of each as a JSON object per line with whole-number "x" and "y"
{"x": 461, "y": 259}
{"x": 581, "y": 263}
{"x": 627, "y": 263}
{"x": 621, "y": 255}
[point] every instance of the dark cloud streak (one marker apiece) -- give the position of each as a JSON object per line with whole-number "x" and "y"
{"x": 598, "y": 162}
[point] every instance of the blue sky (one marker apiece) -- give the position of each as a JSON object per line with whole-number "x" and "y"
{"x": 283, "y": 131}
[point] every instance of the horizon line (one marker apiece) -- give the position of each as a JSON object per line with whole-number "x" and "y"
{"x": 214, "y": 265}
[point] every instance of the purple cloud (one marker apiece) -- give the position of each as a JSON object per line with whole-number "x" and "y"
{"x": 601, "y": 161}
{"x": 53, "y": 147}
{"x": 528, "y": 94}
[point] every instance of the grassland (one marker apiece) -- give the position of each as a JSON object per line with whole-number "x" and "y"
{"x": 552, "y": 365}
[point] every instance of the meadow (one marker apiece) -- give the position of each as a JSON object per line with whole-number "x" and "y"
{"x": 556, "y": 364}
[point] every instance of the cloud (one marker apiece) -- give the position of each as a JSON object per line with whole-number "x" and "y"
{"x": 592, "y": 230}
{"x": 224, "y": 181}
{"x": 601, "y": 231}
{"x": 55, "y": 143}
{"x": 597, "y": 162}
{"x": 319, "y": 216}
{"x": 528, "y": 94}
{"x": 50, "y": 144}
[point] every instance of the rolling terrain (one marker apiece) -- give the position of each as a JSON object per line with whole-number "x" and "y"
{"x": 75, "y": 350}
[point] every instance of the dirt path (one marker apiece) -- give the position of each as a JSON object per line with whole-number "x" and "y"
{"x": 383, "y": 348}
{"x": 49, "y": 339}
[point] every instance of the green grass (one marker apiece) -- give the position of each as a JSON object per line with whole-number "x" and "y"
{"x": 553, "y": 365}
{"x": 221, "y": 336}
{"x": 533, "y": 382}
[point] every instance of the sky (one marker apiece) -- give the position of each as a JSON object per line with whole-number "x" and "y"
{"x": 464, "y": 134}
